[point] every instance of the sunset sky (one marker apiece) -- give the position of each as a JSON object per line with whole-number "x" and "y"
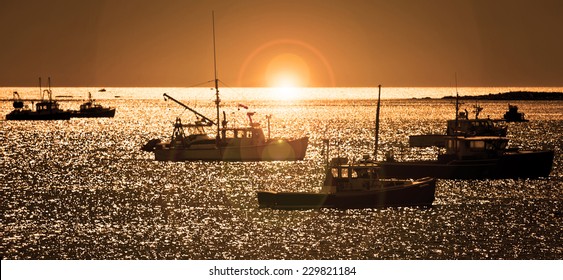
{"x": 319, "y": 43}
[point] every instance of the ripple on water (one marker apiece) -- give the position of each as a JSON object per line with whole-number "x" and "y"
{"x": 81, "y": 189}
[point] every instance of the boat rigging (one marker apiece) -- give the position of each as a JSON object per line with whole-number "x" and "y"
{"x": 208, "y": 121}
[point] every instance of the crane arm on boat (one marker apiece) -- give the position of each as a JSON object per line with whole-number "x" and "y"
{"x": 192, "y": 110}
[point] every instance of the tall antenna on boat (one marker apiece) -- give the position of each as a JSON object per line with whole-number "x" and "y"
{"x": 377, "y": 124}
{"x": 217, "y": 100}
{"x": 456, "y": 105}
{"x": 40, "y": 91}
{"x": 49, "y": 83}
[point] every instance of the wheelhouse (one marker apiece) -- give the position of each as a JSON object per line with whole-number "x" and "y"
{"x": 475, "y": 147}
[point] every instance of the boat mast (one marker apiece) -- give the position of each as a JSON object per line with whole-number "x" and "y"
{"x": 268, "y": 117}
{"x": 50, "y": 95}
{"x": 217, "y": 100}
{"x": 456, "y": 104}
{"x": 40, "y": 91}
{"x": 377, "y": 125}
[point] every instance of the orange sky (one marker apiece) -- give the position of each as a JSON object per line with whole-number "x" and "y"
{"x": 282, "y": 43}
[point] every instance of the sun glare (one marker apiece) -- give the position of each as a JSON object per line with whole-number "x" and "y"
{"x": 286, "y": 92}
{"x": 286, "y": 73}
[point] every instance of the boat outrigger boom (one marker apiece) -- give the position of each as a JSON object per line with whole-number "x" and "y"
{"x": 206, "y": 119}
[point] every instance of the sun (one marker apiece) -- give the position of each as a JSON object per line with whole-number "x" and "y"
{"x": 286, "y": 73}
{"x": 285, "y": 79}
{"x": 287, "y": 70}
{"x": 304, "y": 60}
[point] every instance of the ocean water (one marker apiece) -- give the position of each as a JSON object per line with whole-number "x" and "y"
{"x": 82, "y": 189}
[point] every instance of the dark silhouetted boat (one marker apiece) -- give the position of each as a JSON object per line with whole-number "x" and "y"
{"x": 474, "y": 157}
{"x": 90, "y": 109}
{"x": 475, "y": 149}
{"x": 460, "y": 126}
{"x": 45, "y": 109}
{"x": 354, "y": 185}
{"x": 512, "y": 115}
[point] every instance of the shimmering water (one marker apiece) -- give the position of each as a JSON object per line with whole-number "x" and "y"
{"x": 82, "y": 189}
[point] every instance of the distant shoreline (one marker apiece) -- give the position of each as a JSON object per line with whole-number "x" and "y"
{"x": 514, "y": 95}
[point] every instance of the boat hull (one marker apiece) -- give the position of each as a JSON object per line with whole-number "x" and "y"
{"x": 525, "y": 164}
{"x": 419, "y": 193}
{"x": 104, "y": 113}
{"x": 278, "y": 149}
{"x": 35, "y": 116}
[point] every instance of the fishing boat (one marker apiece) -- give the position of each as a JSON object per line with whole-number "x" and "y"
{"x": 355, "y": 185}
{"x": 461, "y": 126}
{"x": 45, "y": 109}
{"x": 230, "y": 143}
{"x": 90, "y": 109}
{"x": 512, "y": 115}
{"x": 474, "y": 157}
{"x": 474, "y": 149}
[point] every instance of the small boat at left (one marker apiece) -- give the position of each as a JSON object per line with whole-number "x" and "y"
{"x": 45, "y": 109}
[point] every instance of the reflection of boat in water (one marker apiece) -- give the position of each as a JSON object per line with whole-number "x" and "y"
{"x": 240, "y": 143}
{"x": 90, "y": 109}
{"x": 246, "y": 143}
{"x": 355, "y": 185}
{"x": 44, "y": 109}
{"x": 512, "y": 115}
{"x": 476, "y": 157}
{"x": 460, "y": 126}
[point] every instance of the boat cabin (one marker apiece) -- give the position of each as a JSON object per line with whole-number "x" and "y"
{"x": 197, "y": 135}
{"x": 479, "y": 147}
{"x": 252, "y": 133}
{"x": 87, "y": 106}
{"x": 475, "y": 127}
{"x": 344, "y": 176}
{"x": 47, "y": 106}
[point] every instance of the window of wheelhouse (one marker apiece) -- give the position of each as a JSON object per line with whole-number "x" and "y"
{"x": 237, "y": 133}
{"x": 497, "y": 145}
{"x": 477, "y": 145}
{"x": 451, "y": 145}
{"x": 344, "y": 172}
